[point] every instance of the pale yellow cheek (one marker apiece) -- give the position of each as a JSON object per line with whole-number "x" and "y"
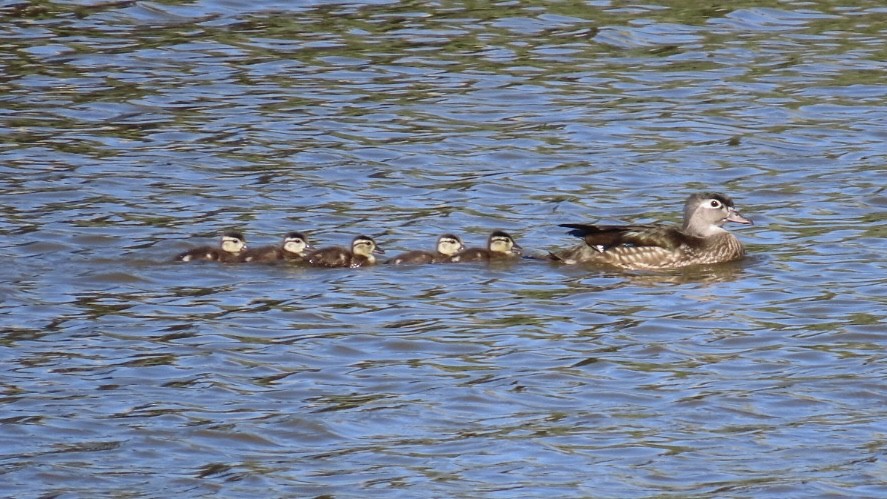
{"x": 361, "y": 250}
{"x": 291, "y": 247}
{"x": 448, "y": 249}
{"x": 232, "y": 246}
{"x": 500, "y": 247}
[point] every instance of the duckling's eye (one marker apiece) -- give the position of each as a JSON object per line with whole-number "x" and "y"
{"x": 715, "y": 203}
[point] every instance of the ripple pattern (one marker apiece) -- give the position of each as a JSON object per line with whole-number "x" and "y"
{"x": 130, "y": 131}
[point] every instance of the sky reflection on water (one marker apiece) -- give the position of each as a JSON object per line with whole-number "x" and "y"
{"x": 132, "y": 131}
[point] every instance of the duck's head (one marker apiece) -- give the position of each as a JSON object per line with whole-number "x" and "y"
{"x": 501, "y": 242}
{"x": 365, "y": 246}
{"x": 296, "y": 243}
{"x": 449, "y": 244}
{"x": 233, "y": 242}
{"x": 706, "y": 212}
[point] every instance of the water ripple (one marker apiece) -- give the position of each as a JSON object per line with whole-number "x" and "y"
{"x": 132, "y": 131}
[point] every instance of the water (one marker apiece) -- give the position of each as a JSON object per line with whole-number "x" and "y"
{"x": 134, "y": 130}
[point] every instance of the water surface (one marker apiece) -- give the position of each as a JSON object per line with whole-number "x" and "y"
{"x": 130, "y": 131}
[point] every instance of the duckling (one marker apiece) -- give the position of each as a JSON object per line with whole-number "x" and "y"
{"x": 361, "y": 254}
{"x": 447, "y": 246}
{"x": 293, "y": 249}
{"x": 232, "y": 244}
{"x": 700, "y": 240}
{"x": 500, "y": 246}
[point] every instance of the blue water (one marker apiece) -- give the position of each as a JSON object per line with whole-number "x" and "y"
{"x": 132, "y": 131}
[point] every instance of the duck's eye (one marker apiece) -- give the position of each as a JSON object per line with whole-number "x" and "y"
{"x": 715, "y": 203}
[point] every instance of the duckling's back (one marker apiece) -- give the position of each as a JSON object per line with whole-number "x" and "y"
{"x": 335, "y": 256}
{"x": 206, "y": 253}
{"x": 412, "y": 258}
{"x": 472, "y": 255}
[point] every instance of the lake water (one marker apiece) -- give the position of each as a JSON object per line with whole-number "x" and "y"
{"x": 130, "y": 131}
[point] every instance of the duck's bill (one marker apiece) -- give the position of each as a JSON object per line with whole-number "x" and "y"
{"x": 734, "y": 216}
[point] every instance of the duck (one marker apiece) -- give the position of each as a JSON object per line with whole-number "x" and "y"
{"x": 361, "y": 254}
{"x": 447, "y": 246}
{"x": 293, "y": 249}
{"x": 231, "y": 246}
{"x": 500, "y": 246}
{"x": 700, "y": 240}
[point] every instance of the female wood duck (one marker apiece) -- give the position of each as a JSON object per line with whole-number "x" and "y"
{"x": 232, "y": 244}
{"x": 361, "y": 254}
{"x": 447, "y": 246}
{"x": 700, "y": 240}
{"x": 293, "y": 249}
{"x": 500, "y": 246}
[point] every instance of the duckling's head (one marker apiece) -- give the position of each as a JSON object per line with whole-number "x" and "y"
{"x": 365, "y": 246}
{"x": 449, "y": 244}
{"x": 501, "y": 242}
{"x": 233, "y": 242}
{"x": 296, "y": 243}
{"x": 706, "y": 212}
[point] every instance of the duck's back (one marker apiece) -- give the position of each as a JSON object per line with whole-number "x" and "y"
{"x": 648, "y": 247}
{"x": 207, "y": 253}
{"x": 472, "y": 255}
{"x": 268, "y": 254}
{"x": 412, "y": 258}
{"x": 335, "y": 256}
{"x": 201, "y": 253}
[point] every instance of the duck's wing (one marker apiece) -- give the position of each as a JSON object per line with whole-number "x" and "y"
{"x": 471, "y": 255}
{"x": 411, "y": 257}
{"x": 265, "y": 254}
{"x": 605, "y": 237}
{"x": 330, "y": 257}
{"x": 202, "y": 253}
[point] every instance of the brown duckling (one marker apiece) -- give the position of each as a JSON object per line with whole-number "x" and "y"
{"x": 361, "y": 254}
{"x": 500, "y": 246}
{"x": 700, "y": 240}
{"x": 447, "y": 246}
{"x": 294, "y": 248}
{"x": 229, "y": 250}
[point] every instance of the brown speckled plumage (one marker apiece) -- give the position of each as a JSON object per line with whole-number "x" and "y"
{"x": 230, "y": 247}
{"x": 447, "y": 246}
{"x": 500, "y": 246}
{"x": 293, "y": 249}
{"x": 360, "y": 255}
{"x": 700, "y": 240}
